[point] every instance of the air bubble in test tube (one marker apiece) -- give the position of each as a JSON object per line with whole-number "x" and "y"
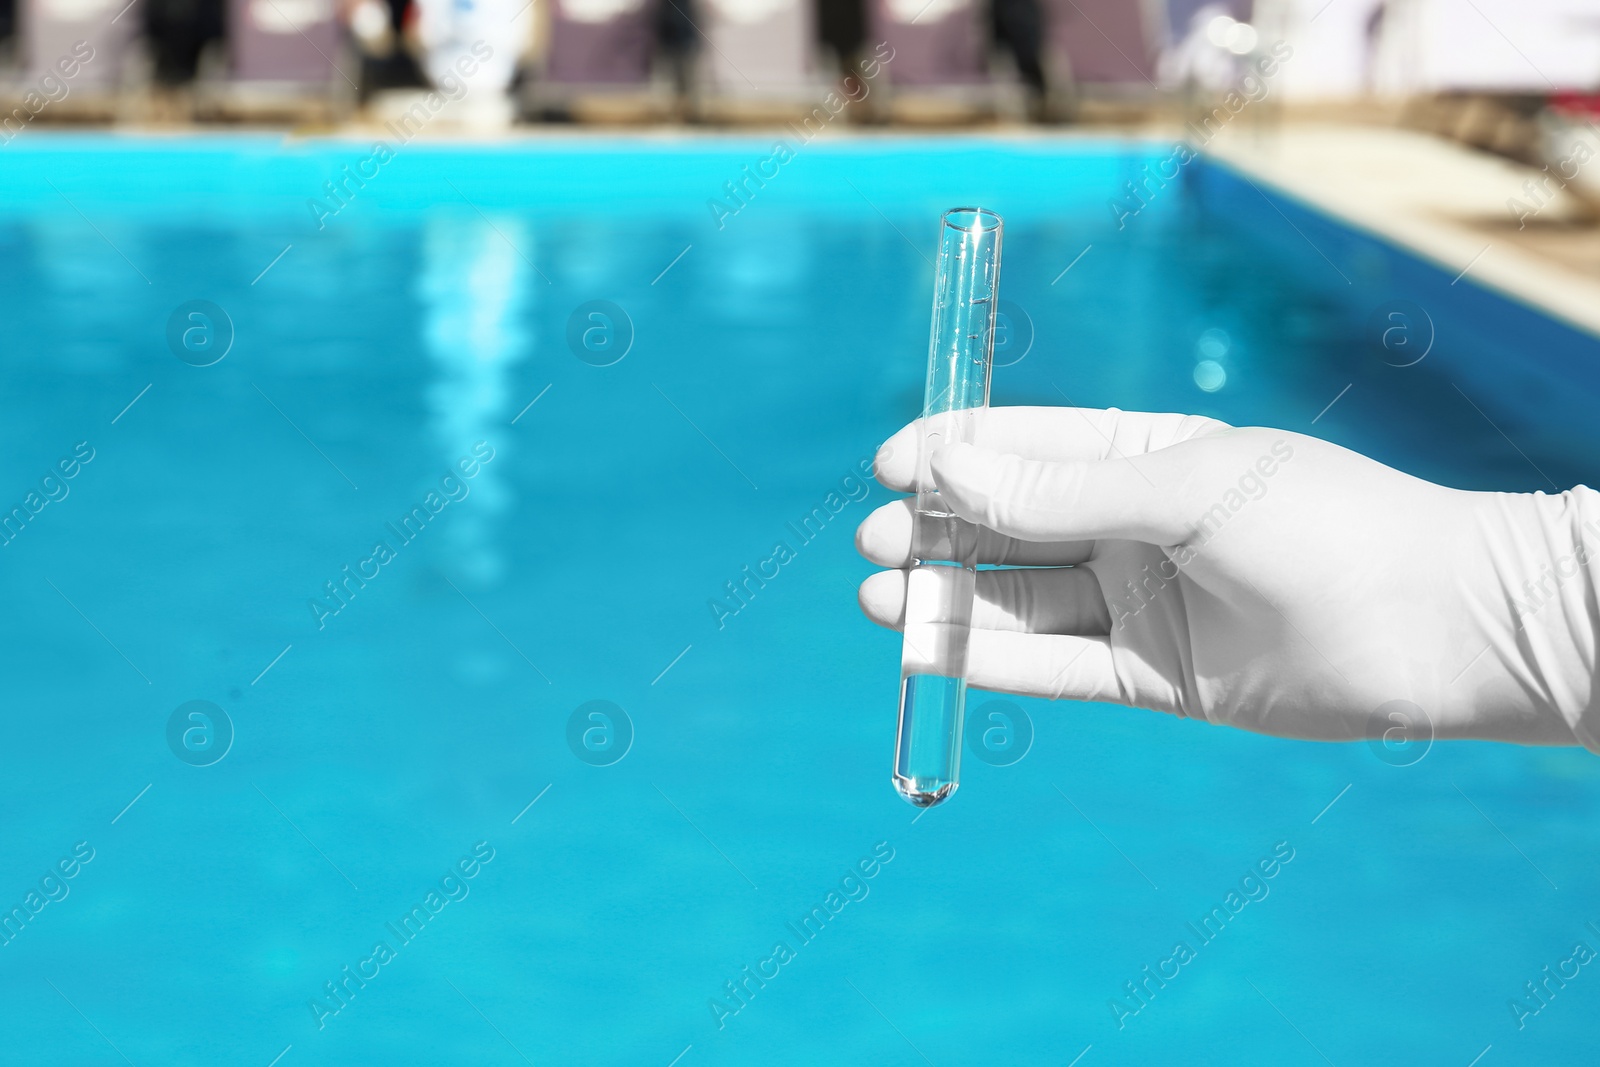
{"x": 943, "y": 576}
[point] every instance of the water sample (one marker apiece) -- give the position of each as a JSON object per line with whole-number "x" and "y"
{"x": 940, "y": 586}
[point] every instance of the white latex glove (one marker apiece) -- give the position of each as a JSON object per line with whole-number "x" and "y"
{"x": 1256, "y": 577}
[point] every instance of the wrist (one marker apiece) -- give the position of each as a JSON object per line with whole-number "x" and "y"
{"x": 1556, "y": 634}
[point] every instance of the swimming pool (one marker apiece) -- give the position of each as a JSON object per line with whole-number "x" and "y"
{"x": 403, "y": 759}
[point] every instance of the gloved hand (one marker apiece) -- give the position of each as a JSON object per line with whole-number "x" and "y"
{"x": 1256, "y": 577}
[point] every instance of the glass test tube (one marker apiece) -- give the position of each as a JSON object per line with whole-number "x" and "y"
{"x": 943, "y": 576}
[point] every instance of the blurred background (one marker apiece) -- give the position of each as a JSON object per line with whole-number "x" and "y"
{"x": 1514, "y": 80}
{"x": 1513, "y": 77}
{"x": 1372, "y": 222}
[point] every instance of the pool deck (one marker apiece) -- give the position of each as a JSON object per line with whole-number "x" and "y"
{"x": 1446, "y": 202}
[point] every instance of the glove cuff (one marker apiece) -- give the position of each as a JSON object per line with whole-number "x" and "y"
{"x": 1566, "y": 597}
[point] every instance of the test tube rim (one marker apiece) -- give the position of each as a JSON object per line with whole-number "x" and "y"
{"x": 991, "y": 220}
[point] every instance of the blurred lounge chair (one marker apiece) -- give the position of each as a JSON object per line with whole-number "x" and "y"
{"x": 49, "y": 35}
{"x": 759, "y": 61}
{"x": 600, "y": 64}
{"x": 286, "y": 59}
{"x": 940, "y": 66}
{"x": 1103, "y": 52}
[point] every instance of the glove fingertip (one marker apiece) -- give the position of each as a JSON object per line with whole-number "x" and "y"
{"x": 894, "y": 465}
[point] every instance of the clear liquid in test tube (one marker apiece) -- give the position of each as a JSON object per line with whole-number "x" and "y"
{"x": 943, "y": 576}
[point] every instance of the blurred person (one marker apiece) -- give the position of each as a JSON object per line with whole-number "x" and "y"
{"x": 387, "y": 56}
{"x": 1018, "y": 26}
{"x": 677, "y": 40}
{"x": 842, "y": 27}
{"x": 484, "y": 36}
{"x": 178, "y": 31}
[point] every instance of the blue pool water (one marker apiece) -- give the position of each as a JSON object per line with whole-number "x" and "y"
{"x": 377, "y": 746}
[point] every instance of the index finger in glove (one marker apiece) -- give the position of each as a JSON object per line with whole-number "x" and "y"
{"x": 1043, "y": 433}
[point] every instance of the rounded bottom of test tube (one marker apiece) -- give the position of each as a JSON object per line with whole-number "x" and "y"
{"x": 924, "y": 794}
